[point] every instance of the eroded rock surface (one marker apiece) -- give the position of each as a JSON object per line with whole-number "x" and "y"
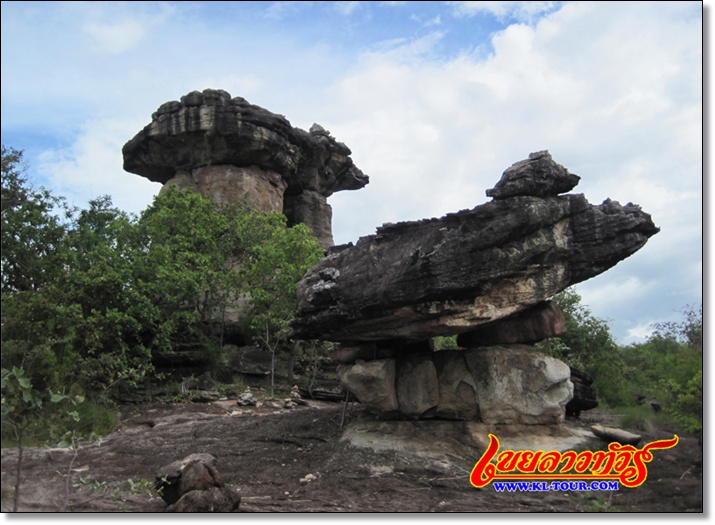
{"x": 416, "y": 280}
{"x": 505, "y": 384}
{"x": 212, "y": 128}
{"x": 529, "y": 326}
{"x": 518, "y": 385}
{"x": 240, "y": 153}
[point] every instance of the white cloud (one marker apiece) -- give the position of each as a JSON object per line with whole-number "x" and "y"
{"x": 521, "y": 11}
{"x": 346, "y": 8}
{"x": 92, "y": 167}
{"x": 116, "y": 37}
{"x": 640, "y": 333}
{"x": 599, "y": 294}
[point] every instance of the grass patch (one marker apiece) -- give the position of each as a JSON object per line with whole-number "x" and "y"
{"x": 641, "y": 417}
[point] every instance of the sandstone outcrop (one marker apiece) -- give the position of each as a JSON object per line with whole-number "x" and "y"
{"x": 505, "y": 384}
{"x": 485, "y": 275}
{"x": 240, "y": 153}
{"x": 540, "y": 322}
{"x": 416, "y": 280}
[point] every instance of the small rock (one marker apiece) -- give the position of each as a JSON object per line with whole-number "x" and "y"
{"x": 609, "y": 435}
{"x": 295, "y": 396}
{"x": 246, "y": 399}
{"x": 308, "y": 478}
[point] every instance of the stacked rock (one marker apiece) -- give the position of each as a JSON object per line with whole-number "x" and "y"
{"x": 485, "y": 275}
{"x": 236, "y": 152}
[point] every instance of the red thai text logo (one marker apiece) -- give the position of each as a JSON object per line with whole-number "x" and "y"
{"x": 624, "y": 463}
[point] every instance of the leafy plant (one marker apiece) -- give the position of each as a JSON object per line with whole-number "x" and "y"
{"x": 20, "y": 402}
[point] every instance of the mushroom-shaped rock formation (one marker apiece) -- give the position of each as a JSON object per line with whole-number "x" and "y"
{"x": 417, "y": 280}
{"x": 237, "y": 152}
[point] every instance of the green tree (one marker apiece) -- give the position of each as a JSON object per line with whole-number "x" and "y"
{"x": 181, "y": 270}
{"x": 107, "y": 292}
{"x": 272, "y": 272}
{"x": 668, "y": 367}
{"x": 20, "y": 403}
{"x": 32, "y": 228}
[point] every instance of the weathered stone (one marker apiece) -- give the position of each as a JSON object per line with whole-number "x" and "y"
{"x": 194, "y": 472}
{"x": 529, "y": 326}
{"x": 457, "y": 388}
{"x": 373, "y": 383}
{"x": 214, "y": 499}
{"x": 211, "y": 128}
{"x": 539, "y": 176}
{"x": 312, "y": 209}
{"x": 181, "y": 181}
{"x": 584, "y": 395}
{"x": 610, "y": 435}
{"x": 416, "y": 280}
{"x": 416, "y": 385}
{"x": 247, "y": 399}
{"x": 518, "y": 385}
{"x": 252, "y": 186}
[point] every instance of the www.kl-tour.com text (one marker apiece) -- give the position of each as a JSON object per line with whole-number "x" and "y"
{"x": 548, "y": 486}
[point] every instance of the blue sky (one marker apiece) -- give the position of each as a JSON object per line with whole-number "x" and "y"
{"x": 435, "y": 99}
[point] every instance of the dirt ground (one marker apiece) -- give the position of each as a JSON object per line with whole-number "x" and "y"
{"x": 265, "y": 453}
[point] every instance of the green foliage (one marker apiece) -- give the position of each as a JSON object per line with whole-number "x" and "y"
{"x": 19, "y": 400}
{"x": 96, "y": 297}
{"x": 272, "y": 271}
{"x": 640, "y": 417}
{"x": 445, "y": 343}
{"x": 686, "y": 402}
{"x": 668, "y": 367}
{"x": 589, "y": 346}
{"x": 31, "y": 228}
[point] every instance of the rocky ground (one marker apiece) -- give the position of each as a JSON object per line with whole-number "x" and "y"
{"x": 295, "y": 461}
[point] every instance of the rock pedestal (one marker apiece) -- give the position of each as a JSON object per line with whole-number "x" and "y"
{"x": 239, "y": 153}
{"x": 506, "y": 384}
{"x": 485, "y": 275}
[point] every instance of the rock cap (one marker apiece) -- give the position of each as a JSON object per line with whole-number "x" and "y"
{"x": 537, "y": 176}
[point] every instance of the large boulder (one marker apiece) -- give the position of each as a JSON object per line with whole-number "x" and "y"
{"x": 194, "y": 472}
{"x": 538, "y": 175}
{"x": 457, "y": 387}
{"x": 416, "y": 280}
{"x": 373, "y": 383}
{"x": 416, "y": 385}
{"x": 518, "y": 385}
{"x": 584, "y": 394}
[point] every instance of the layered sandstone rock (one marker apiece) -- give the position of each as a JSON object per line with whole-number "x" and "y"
{"x": 416, "y": 280}
{"x": 484, "y": 274}
{"x": 535, "y": 324}
{"x": 240, "y": 153}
